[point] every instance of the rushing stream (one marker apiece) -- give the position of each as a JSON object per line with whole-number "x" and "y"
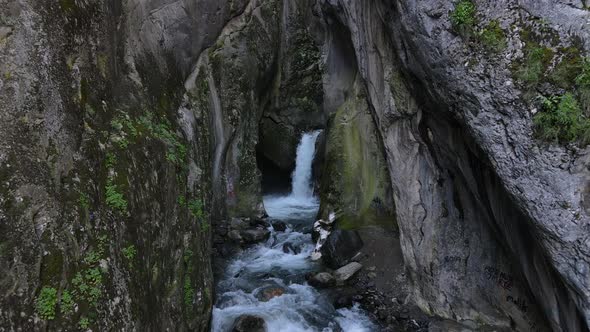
{"x": 267, "y": 267}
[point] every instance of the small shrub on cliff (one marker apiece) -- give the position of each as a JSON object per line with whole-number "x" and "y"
{"x": 463, "y": 17}
{"x": 84, "y": 323}
{"x": 129, "y": 252}
{"x": 196, "y": 208}
{"x": 84, "y": 201}
{"x": 537, "y": 59}
{"x": 570, "y": 64}
{"x": 66, "y": 303}
{"x": 88, "y": 285}
{"x": 493, "y": 37}
{"x": 46, "y": 302}
{"x": 561, "y": 120}
{"x": 115, "y": 200}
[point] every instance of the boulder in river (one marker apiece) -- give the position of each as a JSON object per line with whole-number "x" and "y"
{"x": 322, "y": 280}
{"x": 340, "y": 247}
{"x": 256, "y": 222}
{"x": 237, "y": 223}
{"x": 269, "y": 293}
{"x": 235, "y": 236}
{"x": 255, "y": 235}
{"x": 344, "y": 301}
{"x": 288, "y": 248}
{"x": 249, "y": 323}
{"x": 279, "y": 226}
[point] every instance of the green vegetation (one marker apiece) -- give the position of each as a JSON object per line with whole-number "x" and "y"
{"x": 66, "y": 303}
{"x": 181, "y": 200}
{"x": 88, "y": 282}
{"x": 565, "y": 72}
{"x": 583, "y": 82}
{"x": 129, "y": 252}
{"x": 195, "y": 206}
{"x": 84, "y": 323}
{"x": 110, "y": 160}
{"x": 147, "y": 126}
{"x": 46, "y": 302}
{"x": 88, "y": 285}
{"x": 463, "y": 18}
{"x": 84, "y": 201}
{"x": 562, "y": 120}
{"x": 92, "y": 257}
{"x": 583, "y": 79}
{"x": 114, "y": 198}
{"x": 464, "y": 21}
{"x": 537, "y": 59}
{"x": 189, "y": 291}
{"x": 493, "y": 37}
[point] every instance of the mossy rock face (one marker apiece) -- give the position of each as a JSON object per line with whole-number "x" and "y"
{"x": 82, "y": 131}
{"x": 355, "y": 182}
{"x": 232, "y": 89}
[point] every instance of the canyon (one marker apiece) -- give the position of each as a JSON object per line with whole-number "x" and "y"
{"x": 136, "y": 135}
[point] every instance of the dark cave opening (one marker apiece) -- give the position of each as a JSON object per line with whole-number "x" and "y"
{"x": 274, "y": 179}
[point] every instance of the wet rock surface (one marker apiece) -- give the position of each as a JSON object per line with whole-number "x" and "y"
{"x": 340, "y": 247}
{"x": 270, "y": 292}
{"x": 248, "y": 323}
{"x": 322, "y": 280}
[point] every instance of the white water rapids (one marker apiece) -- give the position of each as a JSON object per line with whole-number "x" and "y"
{"x": 301, "y": 308}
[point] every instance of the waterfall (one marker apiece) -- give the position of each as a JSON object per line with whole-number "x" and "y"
{"x": 268, "y": 280}
{"x": 301, "y": 178}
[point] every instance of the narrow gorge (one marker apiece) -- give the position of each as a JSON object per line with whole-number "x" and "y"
{"x": 294, "y": 165}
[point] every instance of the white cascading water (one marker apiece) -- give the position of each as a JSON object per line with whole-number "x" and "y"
{"x": 301, "y": 180}
{"x": 301, "y": 308}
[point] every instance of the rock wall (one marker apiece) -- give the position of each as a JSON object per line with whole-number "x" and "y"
{"x": 232, "y": 81}
{"x": 106, "y": 190}
{"x": 484, "y": 236}
{"x": 296, "y": 103}
{"x": 355, "y": 182}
